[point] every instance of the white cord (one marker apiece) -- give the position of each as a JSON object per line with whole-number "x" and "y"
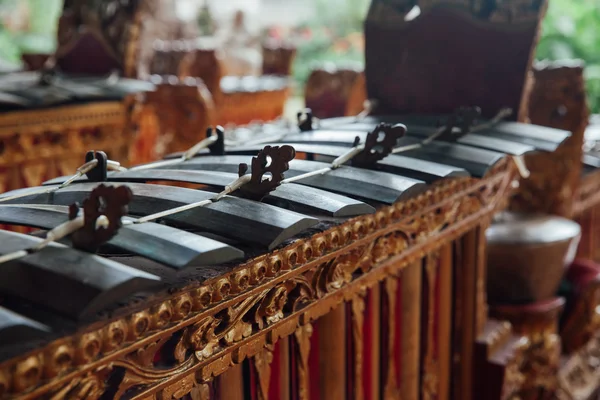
{"x": 54, "y": 235}
{"x": 189, "y": 154}
{"x": 232, "y": 187}
{"x": 335, "y": 164}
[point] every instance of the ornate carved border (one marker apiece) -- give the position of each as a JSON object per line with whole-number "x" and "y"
{"x": 225, "y": 320}
{"x": 76, "y": 116}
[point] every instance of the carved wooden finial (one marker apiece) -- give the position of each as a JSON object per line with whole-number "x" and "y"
{"x": 102, "y": 212}
{"x": 305, "y": 120}
{"x": 463, "y": 120}
{"x": 379, "y": 144}
{"x": 268, "y": 168}
{"x": 217, "y": 148}
{"x": 100, "y": 171}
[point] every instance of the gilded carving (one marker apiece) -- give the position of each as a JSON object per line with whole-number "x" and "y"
{"x": 541, "y": 362}
{"x": 583, "y": 320}
{"x": 90, "y": 386}
{"x": 551, "y": 104}
{"x": 358, "y": 309}
{"x": 302, "y": 336}
{"x": 579, "y": 374}
{"x": 40, "y": 144}
{"x": 430, "y": 384}
{"x": 207, "y": 328}
{"x": 28, "y": 373}
{"x": 262, "y": 362}
{"x": 200, "y": 392}
{"x": 180, "y": 388}
{"x": 390, "y": 389}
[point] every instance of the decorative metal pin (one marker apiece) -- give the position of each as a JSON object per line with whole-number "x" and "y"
{"x": 379, "y": 144}
{"x": 102, "y": 213}
{"x": 305, "y": 120}
{"x": 100, "y": 171}
{"x": 268, "y": 168}
{"x": 460, "y": 123}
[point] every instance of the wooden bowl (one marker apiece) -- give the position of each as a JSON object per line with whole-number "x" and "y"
{"x": 528, "y": 255}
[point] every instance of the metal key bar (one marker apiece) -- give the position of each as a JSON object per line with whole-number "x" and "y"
{"x": 166, "y": 245}
{"x": 70, "y": 282}
{"x": 540, "y": 137}
{"x": 235, "y": 218}
{"x": 369, "y": 185}
{"x": 427, "y": 171}
{"x": 17, "y": 328}
{"x": 476, "y": 160}
{"x": 294, "y": 197}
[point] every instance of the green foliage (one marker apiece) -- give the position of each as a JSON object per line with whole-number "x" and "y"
{"x": 319, "y": 49}
{"x": 343, "y": 17}
{"x": 571, "y": 30}
{"x": 333, "y": 36}
{"x": 40, "y": 33}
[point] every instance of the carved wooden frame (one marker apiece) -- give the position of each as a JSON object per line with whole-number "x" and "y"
{"x": 270, "y": 297}
{"x": 39, "y": 144}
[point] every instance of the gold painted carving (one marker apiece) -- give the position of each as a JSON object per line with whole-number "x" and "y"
{"x": 204, "y": 329}
{"x": 430, "y": 383}
{"x": 262, "y": 362}
{"x": 390, "y": 389}
{"x": 583, "y": 321}
{"x": 358, "y": 318}
{"x": 89, "y": 387}
{"x": 302, "y": 336}
{"x": 579, "y": 376}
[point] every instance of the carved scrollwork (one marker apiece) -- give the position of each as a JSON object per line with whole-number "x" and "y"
{"x": 379, "y": 144}
{"x": 302, "y": 336}
{"x": 208, "y": 328}
{"x": 268, "y": 168}
{"x": 102, "y": 213}
{"x": 262, "y": 362}
{"x": 460, "y": 123}
{"x": 90, "y": 386}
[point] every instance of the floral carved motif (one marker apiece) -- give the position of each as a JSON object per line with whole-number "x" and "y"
{"x": 302, "y": 336}
{"x": 579, "y": 375}
{"x": 90, "y": 386}
{"x": 262, "y": 362}
{"x": 202, "y": 330}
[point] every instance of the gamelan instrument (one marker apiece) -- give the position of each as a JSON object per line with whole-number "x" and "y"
{"x": 160, "y": 279}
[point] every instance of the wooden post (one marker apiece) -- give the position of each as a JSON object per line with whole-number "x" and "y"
{"x": 231, "y": 385}
{"x": 284, "y": 368}
{"x": 445, "y": 321}
{"x": 374, "y": 370}
{"x": 411, "y": 330}
{"x": 466, "y": 271}
{"x": 332, "y": 354}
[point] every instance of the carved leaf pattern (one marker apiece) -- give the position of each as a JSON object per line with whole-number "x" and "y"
{"x": 262, "y": 362}
{"x": 302, "y": 336}
{"x": 212, "y": 340}
{"x": 90, "y": 386}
